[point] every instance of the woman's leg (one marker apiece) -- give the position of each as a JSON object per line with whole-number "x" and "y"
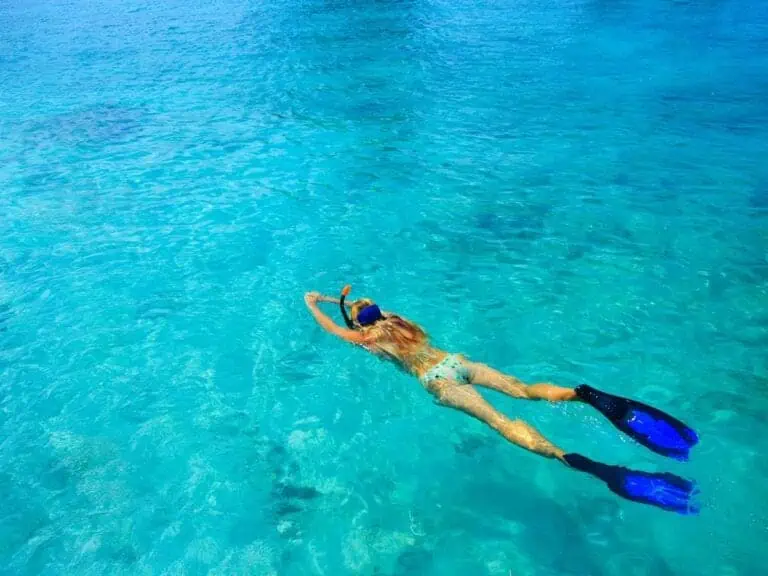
{"x": 465, "y": 398}
{"x": 482, "y": 375}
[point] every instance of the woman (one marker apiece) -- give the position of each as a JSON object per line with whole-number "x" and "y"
{"x": 453, "y": 379}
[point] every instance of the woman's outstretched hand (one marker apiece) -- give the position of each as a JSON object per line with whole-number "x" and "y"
{"x": 312, "y": 298}
{"x": 316, "y": 297}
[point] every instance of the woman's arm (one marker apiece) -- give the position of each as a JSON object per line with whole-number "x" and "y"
{"x": 330, "y": 300}
{"x": 311, "y": 299}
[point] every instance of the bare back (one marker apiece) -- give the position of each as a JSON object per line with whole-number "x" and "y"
{"x": 404, "y": 343}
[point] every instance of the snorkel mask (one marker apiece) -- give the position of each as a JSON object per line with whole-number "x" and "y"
{"x": 366, "y": 317}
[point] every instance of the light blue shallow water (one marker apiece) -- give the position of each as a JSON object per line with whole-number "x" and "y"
{"x": 571, "y": 191}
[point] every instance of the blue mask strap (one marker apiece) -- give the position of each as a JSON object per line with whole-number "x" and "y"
{"x": 369, "y": 315}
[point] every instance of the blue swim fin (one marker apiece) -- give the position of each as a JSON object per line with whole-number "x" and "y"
{"x": 663, "y": 490}
{"x": 649, "y": 426}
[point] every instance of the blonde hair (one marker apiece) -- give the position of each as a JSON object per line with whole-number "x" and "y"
{"x": 394, "y": 335}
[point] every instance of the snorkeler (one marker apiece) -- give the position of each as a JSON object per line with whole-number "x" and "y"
{"x": 451, "y": 378}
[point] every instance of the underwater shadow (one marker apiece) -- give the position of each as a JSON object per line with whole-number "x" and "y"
{"x": 568, "y": 537}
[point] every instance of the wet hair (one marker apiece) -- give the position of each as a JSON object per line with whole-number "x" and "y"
{"x": 395, "y": 335}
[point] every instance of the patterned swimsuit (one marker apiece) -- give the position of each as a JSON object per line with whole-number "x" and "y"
{"x": 452, "y": 367}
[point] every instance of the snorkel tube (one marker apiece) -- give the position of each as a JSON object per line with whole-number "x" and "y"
{"x": 344, "y": 293}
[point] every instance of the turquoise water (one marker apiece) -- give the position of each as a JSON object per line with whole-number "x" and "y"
{"x": 573, "y": 191}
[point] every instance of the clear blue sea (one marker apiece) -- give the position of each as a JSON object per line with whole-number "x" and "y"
{"x": 571, "y": 191}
